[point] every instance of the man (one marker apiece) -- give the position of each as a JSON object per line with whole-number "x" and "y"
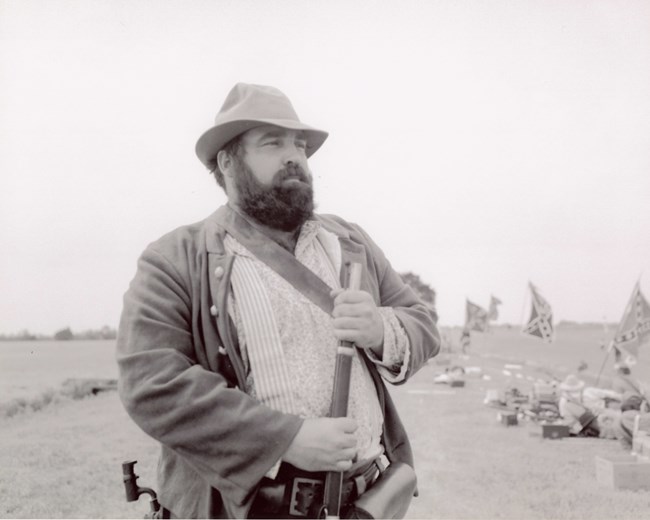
{"x": 627, "y": 386}
{"x": 635, "y": 408}
{"x": 228, "y": 337}
{"x": 585, "y": 409}
{"x": 465, "y": 340}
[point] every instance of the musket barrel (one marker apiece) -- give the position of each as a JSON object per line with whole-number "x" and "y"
{"x": 340, "y": 398}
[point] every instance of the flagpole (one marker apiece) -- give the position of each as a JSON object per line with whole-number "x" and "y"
{"x": 523, "y": 309}
{"x": 609, "y": 349}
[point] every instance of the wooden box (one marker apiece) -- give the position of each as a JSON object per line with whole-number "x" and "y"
{"x": 554, "y": 431}
{"x": 645, "y": 446}
{"x": 544, "y": 392}
{"x": 492, "y": 396}
{"x": 623, "y": 471}
{"x": 457, "y": 382}
{"x": 638, "y": 442}
{"x": 508, "y": 418}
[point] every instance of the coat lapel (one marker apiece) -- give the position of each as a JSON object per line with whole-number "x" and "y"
{"x": 351, "y": 251}
{"x": 219, "y": 272}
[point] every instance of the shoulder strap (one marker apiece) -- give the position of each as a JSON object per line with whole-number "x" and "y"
{"x": 280, "y": 260}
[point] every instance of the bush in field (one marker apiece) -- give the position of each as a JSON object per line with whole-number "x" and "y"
{"x": 422, "y": 289}
{"x": 64, "y": 334}
{"x": 72, "y": 389}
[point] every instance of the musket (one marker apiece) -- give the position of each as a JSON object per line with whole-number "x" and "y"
{"x": 340, "y": 396}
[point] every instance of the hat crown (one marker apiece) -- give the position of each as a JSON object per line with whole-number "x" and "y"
{"x": 248, "y": 106}
{"x": 246, "y": 101}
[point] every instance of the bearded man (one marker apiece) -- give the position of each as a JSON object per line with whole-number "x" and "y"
{"x": 229, "y": 332}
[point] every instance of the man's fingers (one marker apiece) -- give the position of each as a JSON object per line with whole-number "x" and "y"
{"x": 350, "y": 335}
{"x": 343, "y": 465}
{"x": 347, "y": 323}
{"x": 349, "y": 442}
{"x": 348, "y": 454}
{"x": 347, "y": 424}
{"x": 352, "y": 310}
{"x": 324, "y": 444}
{"x": 349, "y": 296}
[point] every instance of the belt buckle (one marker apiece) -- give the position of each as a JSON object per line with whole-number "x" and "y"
{"x": 304, "y": 491}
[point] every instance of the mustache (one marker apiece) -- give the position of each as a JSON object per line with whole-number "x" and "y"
{"x": 292, "y": 171}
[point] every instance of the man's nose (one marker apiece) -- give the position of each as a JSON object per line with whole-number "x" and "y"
{"x": 294, "y": 154}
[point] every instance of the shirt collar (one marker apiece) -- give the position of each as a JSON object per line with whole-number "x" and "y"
{"x": 308, "y": 233}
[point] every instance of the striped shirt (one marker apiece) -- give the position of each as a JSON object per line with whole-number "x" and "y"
{"x": 305, "y": 337}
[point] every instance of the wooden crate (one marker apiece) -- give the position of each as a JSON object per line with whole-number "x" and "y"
{"x": 492, "y": 396}
{"x": 623, "y": 471}
{"x": 457, "y": 382}
{"x": 508, "y": 418}
{"x": 645, "y": 446}
{"x": 638, "y": 442}
{"x": 544, "y": 392}
{"x": 554, "y": 431}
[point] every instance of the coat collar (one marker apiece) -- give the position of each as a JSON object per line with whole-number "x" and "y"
{"x": 224, "y": 215}
{"x": 351, "y": 250}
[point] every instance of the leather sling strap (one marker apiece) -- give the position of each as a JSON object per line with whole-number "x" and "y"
{"x": 280, "y": 260}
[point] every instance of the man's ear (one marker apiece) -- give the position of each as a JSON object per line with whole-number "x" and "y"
{"x": 224, "y": 160}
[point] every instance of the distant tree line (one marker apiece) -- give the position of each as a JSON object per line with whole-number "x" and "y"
{"x": 65, "y": 334}
{"x": 421, "y": 288}
{"x": 586, "y": 324}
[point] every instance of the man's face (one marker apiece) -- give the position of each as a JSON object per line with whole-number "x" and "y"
{"x": 271, "y": 177}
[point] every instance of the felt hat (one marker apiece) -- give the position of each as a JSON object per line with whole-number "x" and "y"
{"x": 249, "y": 106}
{"x": 571, "y": 384}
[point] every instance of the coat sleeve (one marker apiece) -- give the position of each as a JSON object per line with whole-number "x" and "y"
{"x": 227, "y": 437}
{"x": 418, "y": 319}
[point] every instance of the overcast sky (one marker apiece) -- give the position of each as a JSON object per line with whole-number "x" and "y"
{"x": 481, "y": 144}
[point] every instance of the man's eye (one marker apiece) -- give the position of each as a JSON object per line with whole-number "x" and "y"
{"x": 301, "y": 144}
{"x": 273, "y": 142}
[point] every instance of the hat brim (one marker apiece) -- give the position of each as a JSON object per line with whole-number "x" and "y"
{"x": 215, "y": 138}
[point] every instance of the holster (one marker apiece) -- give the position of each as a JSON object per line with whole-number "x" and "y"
{"x": 389, "y": 496}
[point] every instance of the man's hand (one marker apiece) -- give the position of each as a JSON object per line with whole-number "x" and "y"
{"x": 323, "y": 444}
{"x": 357, "y": 319}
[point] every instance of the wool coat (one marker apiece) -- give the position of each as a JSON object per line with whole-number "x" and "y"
{"x": 181, "y": 372}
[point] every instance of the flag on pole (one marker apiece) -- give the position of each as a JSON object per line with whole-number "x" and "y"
{"x": 540, "y": 323}
{"x": 476, "y": 317}
{"x": 634, "y": 329}
{"x": 465, "y": 341}
{"x": 493, "y": 312}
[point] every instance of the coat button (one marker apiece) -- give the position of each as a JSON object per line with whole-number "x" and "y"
{"x": 218, "y": 272}
{"x": 213, "y": 310}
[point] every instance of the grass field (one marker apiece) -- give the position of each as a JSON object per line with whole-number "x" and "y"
{"x": 64, "y": 461}
{"x": 31, "y": 368}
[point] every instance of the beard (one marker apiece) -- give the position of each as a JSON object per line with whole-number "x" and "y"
{"x": 282, "y": 206}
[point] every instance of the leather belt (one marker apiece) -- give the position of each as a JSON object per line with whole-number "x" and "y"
{"x": 295, "y": 493}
